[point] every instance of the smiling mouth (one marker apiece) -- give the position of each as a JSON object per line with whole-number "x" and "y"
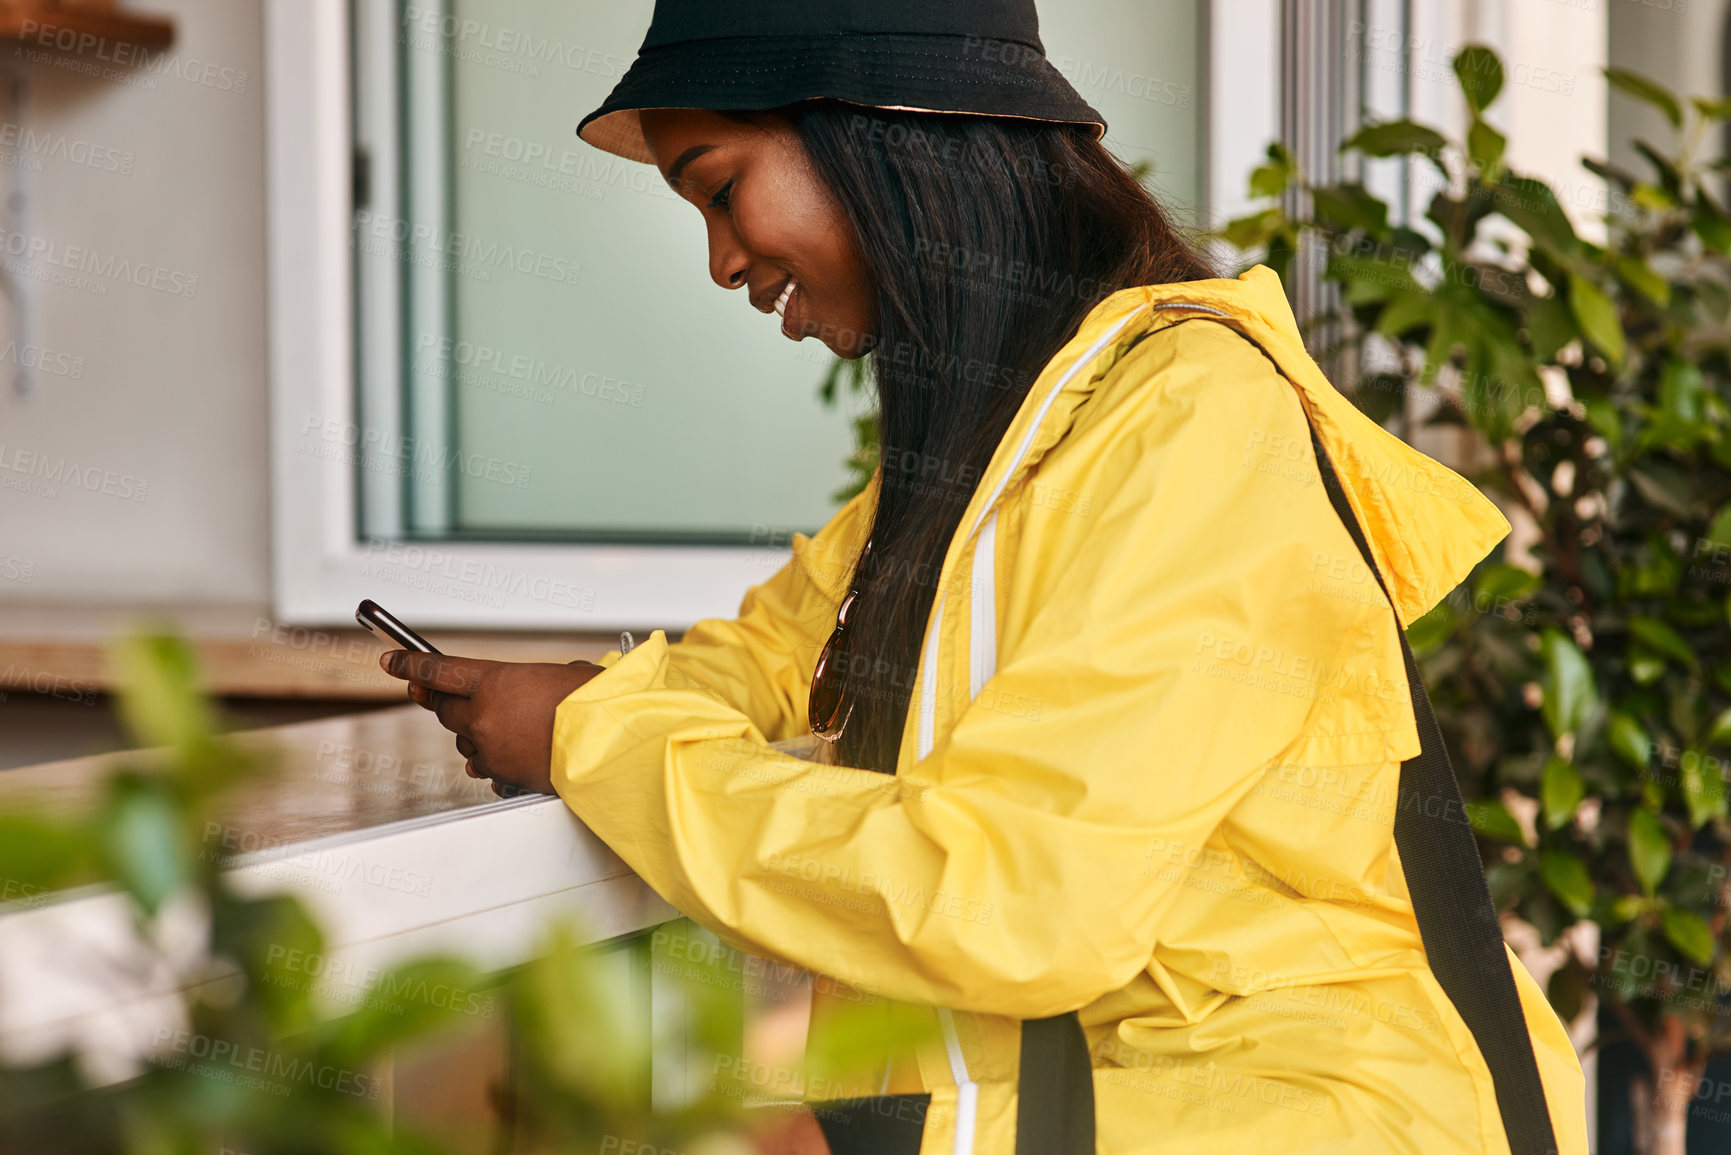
{"x": 781, "y": 301}
{"x": 787, "y": 306}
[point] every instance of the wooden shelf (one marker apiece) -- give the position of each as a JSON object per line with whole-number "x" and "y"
{"x": 84, "y": 29}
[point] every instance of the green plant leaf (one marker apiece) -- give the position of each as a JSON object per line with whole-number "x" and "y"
{"x": 1645, "y": 666}
{"x": 862, "y": 1035}
{"x": 1533, "y": 206}
{"x": 1713, "y": 229}
{"x": 1485, "y": 145}
{"x": 1431, "y": 630}
{"x": 1641, "y": 277}
{"x": 37, "y": 855}
{"x": 1550, "y": 325}
{"x": 1629, "y": 740}
{"x": 1661, "y": 637}
{"x": 1480, "y": 72}
{"x": 275, "y": 940}
{"x": 1405, "y": 312}
{"x": 1689, "y": 933}
{"x": 1492, "y": 819}
{"x": 1566, "y": 877}
{"x": 1560, "y": 791}
{"x": 1597, "y": 317}
{"x": 1379, "y": 396}
{"x": 1568, "y": 687}
{"x": 1719, "y": 733}
{"x": 1389, "y": 278}
{"x": 1351, "y": 206}
{"x": 1649, "y": 849}
{"x": 1606, "y": 421}
{"x": 577, "y": 1026}
{"x": 1664, "y": 488}
{"x": 1568, "y": 988}
{"x": 1257, "y": 229}
{"x": 142, "y": 839}
{"x": 1648, "y": 91}
{"x": 1627, "y": 907}
{"x": 408, "y": 1002}
{"x": 1503, "y": 582}
{"x": 1682, "y": 395}
{"x": 1396, "y": 138}
{"x": 1654, "y": 198}
{"x": 1670, "y": 175}
{"x": 1703, "y": 787}
{"x": 1272, "y": 179}
{"x": 161, "y": 699}
{"x": 1719, "y": 529}
{"x": 1713, "y": 109}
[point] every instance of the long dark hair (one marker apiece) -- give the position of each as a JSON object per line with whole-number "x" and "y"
{"x": 989, "y": 240}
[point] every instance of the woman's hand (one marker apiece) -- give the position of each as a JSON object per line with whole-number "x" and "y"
{"x": 501, "y": 712}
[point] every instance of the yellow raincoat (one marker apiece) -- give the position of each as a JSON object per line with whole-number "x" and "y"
{"x": 1149, "y": 769}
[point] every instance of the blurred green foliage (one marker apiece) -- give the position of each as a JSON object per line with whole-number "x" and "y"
{"x": 258, "y": 1067}
{"x": 1585, "y": 689}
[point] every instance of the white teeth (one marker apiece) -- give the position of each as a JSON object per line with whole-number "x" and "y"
{"x": 781, "y": 301}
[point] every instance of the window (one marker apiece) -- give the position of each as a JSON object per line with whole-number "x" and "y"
{"x": 506, "y": 392}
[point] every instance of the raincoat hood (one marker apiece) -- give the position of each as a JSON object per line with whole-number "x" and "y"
{"x": 1427, "y": 526}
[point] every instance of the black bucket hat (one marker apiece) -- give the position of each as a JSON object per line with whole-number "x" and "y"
{"x": 982, "y": 57}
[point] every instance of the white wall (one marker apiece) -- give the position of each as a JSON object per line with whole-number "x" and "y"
{"x": 1552, "y": 106}
{"x": 1678, "y": 44}
{"x": 158, "y": 389}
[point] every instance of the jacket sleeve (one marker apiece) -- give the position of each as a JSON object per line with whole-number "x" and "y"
{"x": 760, "y": 663}
{"x": 1014, "y": 871}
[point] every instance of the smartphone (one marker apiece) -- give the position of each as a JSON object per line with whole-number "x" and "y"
{"x": 383, "y": 623}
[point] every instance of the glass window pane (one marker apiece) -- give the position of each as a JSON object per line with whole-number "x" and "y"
{"x": 559, "y": 330}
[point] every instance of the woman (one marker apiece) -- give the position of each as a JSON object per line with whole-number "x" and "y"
{"x": 1118, "y": 712}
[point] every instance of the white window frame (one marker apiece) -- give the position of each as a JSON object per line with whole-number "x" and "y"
{"x": 320, "y": 569}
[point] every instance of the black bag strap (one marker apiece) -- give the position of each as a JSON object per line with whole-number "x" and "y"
{"x": 1055, "y": 1097}
{"x": 1463, "y": 942}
